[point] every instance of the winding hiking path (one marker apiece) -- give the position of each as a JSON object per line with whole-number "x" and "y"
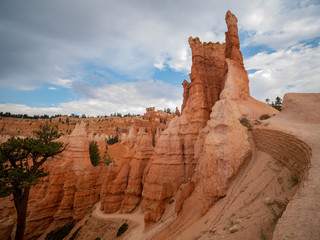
{"x": 137, "y": 217}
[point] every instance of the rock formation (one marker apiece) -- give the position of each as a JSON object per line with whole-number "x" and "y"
{"x": 177, "y": 112}
{"x": 232, "y": 50}
{"x": 123, "y": 186}
{"x": 223, "y": 142}
{"x": 219, "y": 84}
{"x": 74, "y": 185}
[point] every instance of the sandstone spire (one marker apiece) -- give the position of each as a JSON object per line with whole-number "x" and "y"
{"x": 232, "y": 50}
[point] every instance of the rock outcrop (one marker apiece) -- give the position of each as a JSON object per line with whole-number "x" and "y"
{"x": 221, "y": 148}
{"x": 194, "y": 151}
{"x": 123, "y": 185}
{"x": 232, "y": 50}
{"x": 295, "y": 106}
{"x": 173, "y": 161}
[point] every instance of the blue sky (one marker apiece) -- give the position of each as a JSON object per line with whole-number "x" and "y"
{"x": 100, "y": 57}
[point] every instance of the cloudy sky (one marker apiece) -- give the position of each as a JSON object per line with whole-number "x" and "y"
{"x": 99, "y": 57}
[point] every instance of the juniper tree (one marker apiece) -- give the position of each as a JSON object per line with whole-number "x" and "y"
{"x": 20, "y": 167}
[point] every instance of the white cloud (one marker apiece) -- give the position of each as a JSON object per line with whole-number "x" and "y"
{"x": 131, "y": 40}
{"x": 126, "y": 97}
{"x": 61, "y": 42}
{"x": 52, "y": 88}
{"x": 63, "y": 82}
{"x": 281, "y": 24}
{"x": 293, "y": 70}
{"x": 130, "y": 97}
{"x": 23, "y": 109}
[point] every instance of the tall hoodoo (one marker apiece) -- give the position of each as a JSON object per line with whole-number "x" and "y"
{"x": 186, "y": 156}
{"x": 173, "y": 161}
{"x": 232, "y": 50}
{"x": 207, "y": 73}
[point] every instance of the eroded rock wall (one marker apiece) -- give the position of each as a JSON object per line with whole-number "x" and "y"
{"x": 123, "y": 185}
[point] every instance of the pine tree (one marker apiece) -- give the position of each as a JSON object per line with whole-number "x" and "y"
{"x": 20, "y": 167}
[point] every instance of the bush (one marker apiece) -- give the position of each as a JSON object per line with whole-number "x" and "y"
{"x": 263, "y": 236}
{"x": 75, "y": 233}
{"x": 245, "y": 122}
{"x": 60, "y": 233}
{"x": 113, "y": 140}
{"x": 108, "y": 159}
{"x": 294, "y": 180}
{"x": 122, "y": 229}
{"x": 94, "y": 153}
{"x": 264, "y": 116}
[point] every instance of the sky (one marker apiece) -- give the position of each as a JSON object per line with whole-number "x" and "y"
{"x": 100, "y": 56}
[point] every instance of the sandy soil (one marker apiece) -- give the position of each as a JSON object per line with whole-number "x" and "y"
{"x": 136, "y": 217}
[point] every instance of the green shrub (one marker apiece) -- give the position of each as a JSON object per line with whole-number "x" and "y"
{"x": 264, "y": 116}
{"x": 75, "y": 233}
{"x": 108, "y": 159}
{"x": 263, "y": 236}
{"x": 94, "y": 153}
{"x": 294, "y": 180}
{"x": 113, "y": 140}
{"x": 122, "y": 229}
{"x": 245, "y": 122}
{"x": 277, "y": 104}
{"x": 60, "y": 233}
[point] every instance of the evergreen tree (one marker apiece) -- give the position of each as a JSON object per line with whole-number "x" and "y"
{"x": 278, "y": 103}
{"x": 267, "y": 101}
{"x": 94, "y": 153}
{"x": 20, "y": 167}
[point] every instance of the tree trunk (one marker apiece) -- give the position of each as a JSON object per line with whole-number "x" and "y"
{"x": 21, "y": 204}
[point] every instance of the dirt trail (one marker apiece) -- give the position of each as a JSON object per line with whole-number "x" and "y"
{"x": 137, "y": 217}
